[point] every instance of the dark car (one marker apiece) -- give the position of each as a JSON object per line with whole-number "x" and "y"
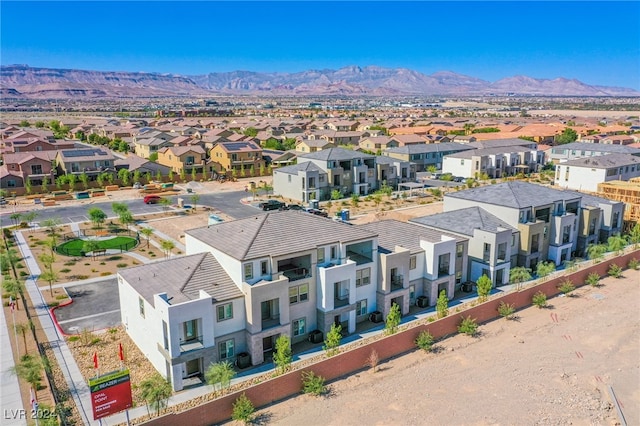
{"x": 459, "y": 179}
{"x": 271, "y": 205}
{"x": 317, "y": 212}
{"x": 152, "y": 199}
{"x": 294, "y": 207}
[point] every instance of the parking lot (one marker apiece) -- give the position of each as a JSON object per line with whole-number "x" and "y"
{"x": 95, "y": 306}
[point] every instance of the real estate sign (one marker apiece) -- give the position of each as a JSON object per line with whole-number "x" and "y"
{"x": 110, "y": 393}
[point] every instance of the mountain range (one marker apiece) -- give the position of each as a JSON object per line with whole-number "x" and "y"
{"x": 24, "y": 82}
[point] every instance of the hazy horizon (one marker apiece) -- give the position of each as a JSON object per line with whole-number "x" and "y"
{"x": 597, "y": 43}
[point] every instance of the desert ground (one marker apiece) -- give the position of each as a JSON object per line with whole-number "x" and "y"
{"x": 533, "y": 370}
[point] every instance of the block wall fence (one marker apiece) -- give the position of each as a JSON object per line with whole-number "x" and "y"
{"x": 350, "y": 361}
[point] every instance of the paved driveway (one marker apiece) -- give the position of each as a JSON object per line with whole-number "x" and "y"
{"x": 95, "y": 306}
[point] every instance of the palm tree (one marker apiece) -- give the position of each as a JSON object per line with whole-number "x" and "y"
{"x": 50, "y": 276}
{"x": 156, "y": 391}
{"x": 30, "y": 369}
{"x": 167, "y": 246}
{"x": 22, "y": 328}
{"x": 147, "y": 232}
{"x": 16, "y": 218}
{"x": 14, "y": 288}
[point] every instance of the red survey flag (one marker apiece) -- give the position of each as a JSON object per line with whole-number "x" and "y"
{"x": 34, "y": 402}
{"x": 121, "y": 352}
{"x": 12, "y": 303}
{"x": 95, "y": 360}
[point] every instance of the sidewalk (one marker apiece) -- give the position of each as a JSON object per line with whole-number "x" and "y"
{"x": 78, "y": 388}
{"x": 11, "y": 402}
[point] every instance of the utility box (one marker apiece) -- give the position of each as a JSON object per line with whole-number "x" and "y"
{"x": 180, "y": 203}
{"x": 422, "y": 301}
{"x": 314, "y": 204}
{"x": 316, "y": 336}
{"x": 344, "y": 215}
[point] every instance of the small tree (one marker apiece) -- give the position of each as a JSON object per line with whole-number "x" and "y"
{"x": 506, "y": 310}
{"x": 614, "y": 271}
{"x": 90, "y": 246}
{"x": 596, "y": 251}
{"x": 97, "y": 216}
{"x": 593, "y": 279}
{"x": 194, "y": 199}
{"x": 336, "y": 194}
{"x": 193, "y": 174}
{"x": 393, "y": 319}
{"x": 167, "y": 246}
{"x": 243, "y": 409}
{"x": 156, "y": 391}
{"x": 633, "y": 264}
{"x": 442, "y": 305}
{"x": 13, "y": 288}
{"x": 355, "y": 199}
{"x": 282, "y": 356}
{"x": 84, "y": 179}
{"x": 519, "y": 274}
{"x": 30, "y": 370}
{"x": 424, "y": 341}
{"x": 634, "y": 235}
{"x": 484, "y": 285}
{"x": 147, "y": 232}
{"x": 566, "y": 287}
{"x": 544, "y": 269}
{"x": 71, "y": 180}
{"x": 182, "y": 175}
{"x": 313, "y": 384}
{"x": 373, "y": 360}
{"x": 220, "y": 372}
{"x": 27, "y": 186}
{"x": 468, "y": 326}
{"x": 165, "y": 203}
{"x": 159, "y": 175}
{"x": 148, "y": 177}
{"x": 44, "y": 188}
{"x": 125, "y": 176}
{"x": 22, "y": 328}
{"x": 136, "y": 176}
{"x": 171, "y": 175}
{"x": 540, "y": 300}
{"x": 49, "y": 276}
{"x": 332, "y": 341}
{"x": 616, "y": 243}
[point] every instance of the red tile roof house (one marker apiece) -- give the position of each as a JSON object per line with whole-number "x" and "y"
{"x": 29, "y": 165}
{"x": 32, "y": 144}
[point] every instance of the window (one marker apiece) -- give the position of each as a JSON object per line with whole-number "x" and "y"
{"x": 299, "y": 327}
{"x": 486, "y": 254}
{"x": 535, "y": 243}
{"x": 141, "y": 304}
{"x": 566, "y": 234}
{"x": 459, "y": 250}
{"x": 616, "y": 220}
{"x": 248, "y": 271}
{"x": 225, "y": 311}
{"x": 502, "y": 252}
{"x": 513, "y": 240}
{"x": 363, "y": 277}
{"x": 361, "y": 307}
{"x": 298, "y": 293}
{"x": 321, "y": 178}
{"x": 334, "y": 252}
{"x": 321, "y": 255}
{"x": 412, "y": 262}
{"x": 263, "y": 268}
{"x": 443, "y": 264}
{"x": 226, "y": 349}
{"x": 36, "y": 169}
{"x": 592, "y": 226}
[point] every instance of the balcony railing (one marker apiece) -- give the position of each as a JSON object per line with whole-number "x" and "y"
{"x": 358, "y": 258}
{"x": 191, "y": 344}
{"x": 443, "y": 272}
{"x": 339, "y": 302}
{"x": 271, "y": 322}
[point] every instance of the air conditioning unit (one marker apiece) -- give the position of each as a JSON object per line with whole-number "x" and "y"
{"x": 422, "y": 301}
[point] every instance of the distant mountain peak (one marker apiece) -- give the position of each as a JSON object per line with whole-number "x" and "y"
{"x": 23, "y": 81}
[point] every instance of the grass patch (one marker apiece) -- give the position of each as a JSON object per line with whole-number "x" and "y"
{"x": 75, "y": 247}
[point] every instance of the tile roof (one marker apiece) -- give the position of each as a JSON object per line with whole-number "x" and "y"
{"x": 182, "y": 278}
{"x": 336, "y": 154}
{"x": 393, "y": 233}
{"x": 514, "y": 194}
{"x": 432, "y": 147}
{"x": 463, "y": 221}
{"x": 300, "y": 167}
{"x": 89, "y": 154}
{"x": 276, "y": 234}
{"x": 489, "y": 151}
{"x": 604, "y": 161}
{"x": 492, "y": 143}
{"x": 598, "y": 147}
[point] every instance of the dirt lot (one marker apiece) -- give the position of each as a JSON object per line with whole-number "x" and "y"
{"x": 535, "y": 370}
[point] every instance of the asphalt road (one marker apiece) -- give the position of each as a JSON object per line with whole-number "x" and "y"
{"x": 227, "y": 202}
{"x": 96, "y": 306}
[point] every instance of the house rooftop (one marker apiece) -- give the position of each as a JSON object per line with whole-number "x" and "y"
{"x": 493, "y": 143}
{"x": 597, "y": 147}
{"x": 604, "y": 161}
{"x": 464, "y": 221}
{"x": 300, "y": 167}
{"x": 489, "y": 151}
{"x": 182, "y": 278}
{"x": 337, "y": 154}
{"x": 276, "y": 234}
{"x": 514, "y": 194}
{"x": 393, "y": 233}
{"x": 432, "y": 147}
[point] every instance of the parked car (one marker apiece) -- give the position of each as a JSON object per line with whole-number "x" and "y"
{"x": 459, "y": 179}
{"x": 293, "y": 207}
{"x": 436, "y": 176}
{"x": 152, "y": 199}
{"x": 272, "y": 205}
{"x": 317, "y": 212}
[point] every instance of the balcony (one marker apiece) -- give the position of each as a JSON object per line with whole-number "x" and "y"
{"x": 341, "y": 301}
{"x": 296, "y": 274}
{"x": 271, "y": 322}
{"x": 443, "y": 271}
{"x": 397, "y": 282}
{"x": 191, "y": 344}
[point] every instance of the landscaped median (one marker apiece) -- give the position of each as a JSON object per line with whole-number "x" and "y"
{"x": 267, "y": 389}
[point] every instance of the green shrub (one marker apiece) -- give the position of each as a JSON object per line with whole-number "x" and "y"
{"x": 114, "y": 258}
{"x": 506, "y": 310}
{"x": 104, "y": 274}
{"x": 70, "y": 263}
{"x": 53, "y": 304}
{"x": 61, "y": 296}
{"x": 313, "y": 384}
{"x": 593, "y": 279}
{"x": 468, "y": 326}
{"x": 540, "y": 300}
{"x": 424, "y": 341}
{"x": 633, "y": 264}
{"x": 243, "y": 409}
{"x": 82, "y": 277}
{"x": 614, "y": 271}
{"x": 566, "y": 286}
{"x": 65, "y": 270}
{"x": 121, "y": 265}
{"x": 23, "y": 273}
{"x": 95, "y": 341}
{"x": 74, "y": 338}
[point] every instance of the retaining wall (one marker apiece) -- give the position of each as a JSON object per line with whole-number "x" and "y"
{"x": 289, "y": 384}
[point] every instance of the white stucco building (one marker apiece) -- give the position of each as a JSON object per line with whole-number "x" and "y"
{"x": 584, "y": 174}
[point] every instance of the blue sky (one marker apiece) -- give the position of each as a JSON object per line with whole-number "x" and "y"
{"x": 595, "y": 42}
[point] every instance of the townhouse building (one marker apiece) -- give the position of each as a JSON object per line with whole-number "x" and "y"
{"x": 347, "y": 171}
{"x": 574, "y": 150}
{"x": 91, "y": 161}
{"x": 34, "y": 166}
{"x": 495, "y": 162}
{"x": 554, "y": 225}
{"x": 426, "y": 155}
{"x": 242, "y": 155}
{"x": 492, "y": 243}
{"x": 392, "y": 171}
{"x": 584, "y": 174}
